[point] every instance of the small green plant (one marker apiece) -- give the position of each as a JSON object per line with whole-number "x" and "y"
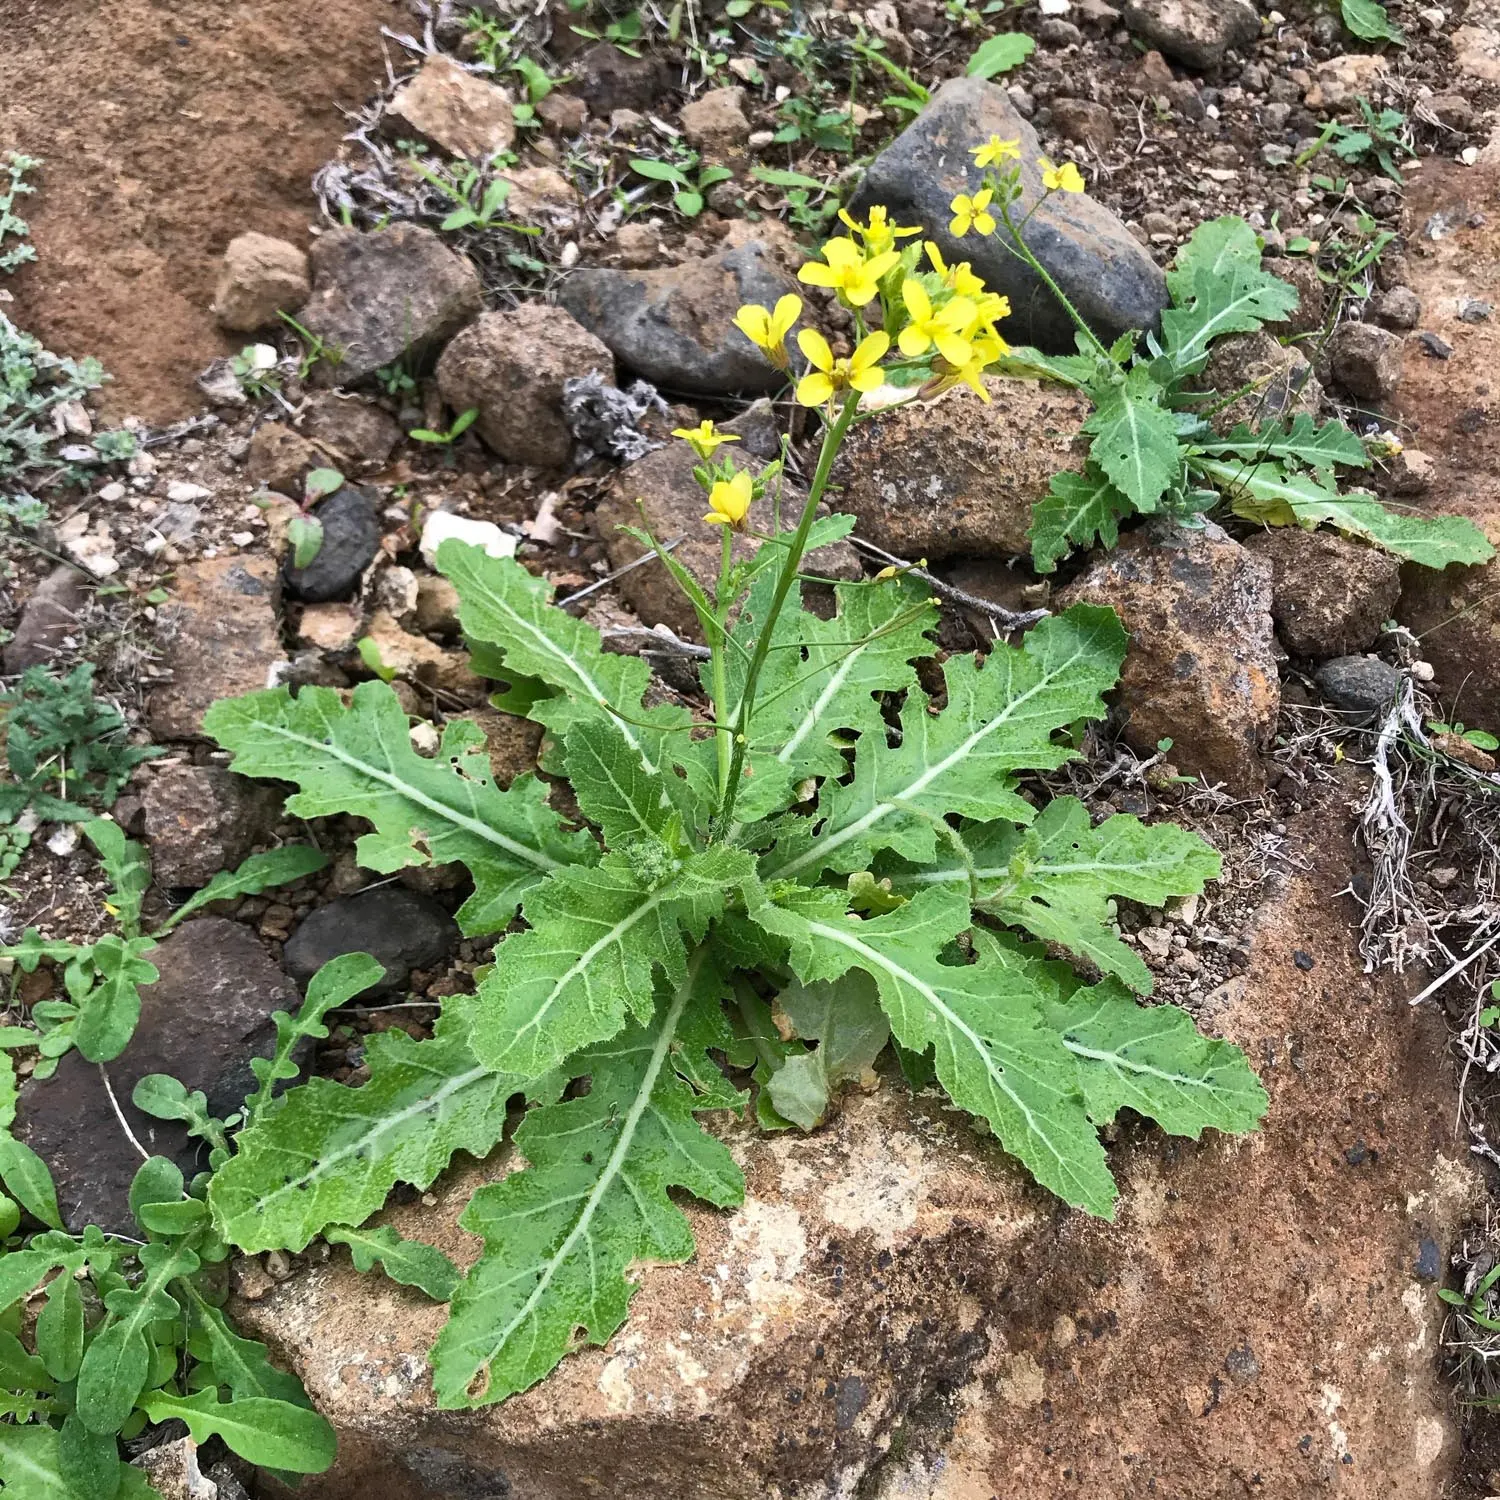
{"x": 810, "y": 204}
{"x": 688, "y": 180}
{"x": 805, "y": 123}
{"x": 1384, "y": 137}
{"x": 255, "y": 369}
{"x": 914, "y": 97}
{"x": 314, "y": 348}
{"x": 396, "y": 379}
{"x": 461, "y": 424}
{"x": 369, "y": 653}
{"x": 497, "y": 47}
{"x": 304, "y": 531}
{"x": 1153, "y": 448}
{"x": 13, "y": 185}
{"x": 477, "y": 202}
{"x": 33, "y": 384}
{"x": 103, "y": 978}
{"x": 1480, "y": 739}
{"x": 1369, "y": 20}
{"x": 66, "y": 751}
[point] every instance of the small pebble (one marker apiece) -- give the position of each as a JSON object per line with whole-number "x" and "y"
{"x": 1434, "y": 346}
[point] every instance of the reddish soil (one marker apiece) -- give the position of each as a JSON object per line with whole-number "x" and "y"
{"x": 167, "y": 129}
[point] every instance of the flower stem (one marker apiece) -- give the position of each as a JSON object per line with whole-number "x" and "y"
{"x": 1022, "y": 249}
{"x": 833, "y": 437}
{"x": 720, "y": 664}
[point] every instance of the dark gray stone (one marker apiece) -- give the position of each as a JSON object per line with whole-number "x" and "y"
{"x": 50, "y": 614}
{"x": 380, "y": 297}
{"x": 1360, "y": 685}
{"x": 202, "y": 1021}
{"x": 351, "y": 538}
{"x": 675, "y": 326}
{"x": 1103, "y": 271}
{"x": 400, "y": 928}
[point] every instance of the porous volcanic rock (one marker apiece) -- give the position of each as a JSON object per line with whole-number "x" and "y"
{"x": 463, "y": 113}
{"x": 382, "y": 296}
{"x": 1329, "y": 595}
{"x": 939, "y": 478}
{"x": 1195, "y": 32}
{"x": 1201, "y": 670}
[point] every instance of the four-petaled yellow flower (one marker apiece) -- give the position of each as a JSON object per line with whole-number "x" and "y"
{"x": 995, "y": 152}
{"x": 859, "y": 372}
{"x": 946, "y": 327}
{"x": 1066, "y": 178}
{"x": 972, "y": 213}
{"x": 879, "y": 235}
{"x": 959, "y": 278}
{"x": 853, "y": 276}
{"x": 767, "y": 328}
{"x": 729, "y": 501}
{"x": 703, "y": 438}
{"x": 985, "y": 349}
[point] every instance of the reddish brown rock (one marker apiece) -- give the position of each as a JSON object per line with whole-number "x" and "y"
{"x": 455, "y": 109}
{"x": 260, "y": 277}
{"x": 936, "y": 479}
{"x": 1200, "y": 670}
{"x": 219, "y": 638}
{"x": 511, "y": 366}
{"x": 1329, "y": 595}
{"x": 203, "y": 819}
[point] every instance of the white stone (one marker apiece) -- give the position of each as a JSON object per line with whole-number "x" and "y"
{"x": 1054, "y": 7}
{"x": 442, "y": 524}
{"x": 180, "y": 492}
{"x": 424, "y": 738}
{"x": 64, "y": 840}
{"x": 113, "y": 492}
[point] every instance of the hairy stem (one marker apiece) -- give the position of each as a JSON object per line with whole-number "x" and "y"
{"x": 1019, "y": 247}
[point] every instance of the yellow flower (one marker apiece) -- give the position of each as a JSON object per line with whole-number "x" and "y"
{"x": 860, "y": 372}
{"x": 878, "y": 235}
{"x": 729, "y": 501}
{"x": 994, "y": 152}
{"x": 946, "y": 327}
{"x": 703, "y": 438}
{"x": 848, "y": 272}
{"x": 1066, "y": 178}
{"x": 972, "y": 213}
{"x": 984, "y": 351}
{"x": 988, "y": 309}
{"x": 959, "y": 278}
{"x": 767, "y": 329}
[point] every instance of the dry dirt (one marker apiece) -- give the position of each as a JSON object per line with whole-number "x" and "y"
{"x": 167, "y": 129}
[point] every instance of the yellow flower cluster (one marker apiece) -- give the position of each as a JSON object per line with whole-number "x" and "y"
{"x": 971, "y": 211}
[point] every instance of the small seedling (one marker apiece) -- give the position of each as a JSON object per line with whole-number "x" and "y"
{"x": 314, "y": 347}
{"x": 13, "y": 169}
{"x": 689, "y": 190}
{"x": 810, "y": 204}
{"x": 369, "y": 654}
{"x": 1369, "y": 21}
{"x": 476, "y": 204}
{"x": 1480, "y": 739}
{"x": 255, "y": 369}
{"x": 305, "y": 531}
{"x": 1384, "y": 136}
{"x": 1001, "y": 53}
{"x": 462, "y": 423}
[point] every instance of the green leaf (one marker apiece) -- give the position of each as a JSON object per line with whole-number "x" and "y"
{"x": 305, "y": 533}
{"x": 688, "y": 202}
{"x": 1369, "y": 21}
{"x": 117, "y": 1362}
{"x": 597, "y": 937}
{"x": 1077, "y": 508}
{"x": 821, "y": 678}
{"x": 126, "y": 866}
{"x": 782, "y": 177}
{"x": 20, "y": 1370}
{"x": 165, "y": 1098}
{"x": 1303, "y": 440}
{"x": 994, "y": 1055}
{"x": 90, "y": 1461}
{"x": 409, "y": 1262}
{"x": 844, "y": 1017}
{"x": 108, "y": 1013}
{"x": 321, "y": 482}
{"x": 360, "y": 760}
{"x": 1003, "y": 714}
{"x": 27, "y": 1180}
{"x": 614, "y": 789}
{"x": 32, "y": 1469}
{"x": 504, "y": 607}
{"x": 21, "y": 1271}
{"x": 562, "y": 1236}
{"x": 658, "y": 171}
{"x": 273, "y": 1434}
{"x": 1057, "y": 877}
{"x": 258, "y": 873}
{"x": 1271, "y": 494}
{"x": 241, "y": 1364}
{"x": 1218, "y": 287}
{"x": 999, "y": 54}
{"x": 337, "y": 982}
{"x": 329, "y": 1154}
{"x": 59, "y": 1328}
{"x": 1151, "y": 1058}
{"x": 1135, "y": 440}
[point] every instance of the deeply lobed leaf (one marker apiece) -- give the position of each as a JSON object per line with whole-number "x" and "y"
{"x": 360, "y": 760}
{"x": 561, "y": 1236}
{"x": 1002, "y": 716}
{"x": 1076, "y": 510}
{"x": 1135, "y": 440}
